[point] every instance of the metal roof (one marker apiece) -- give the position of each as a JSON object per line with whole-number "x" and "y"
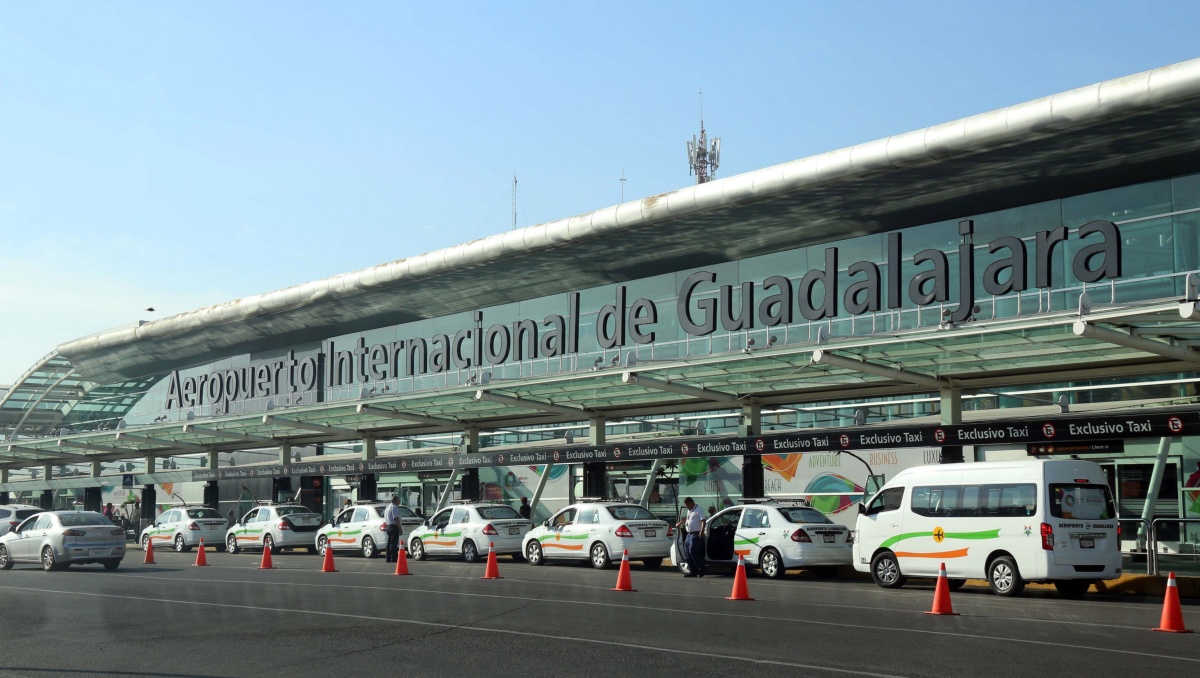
{"x": 1106, "y": 342}
{"x": 1118, "y": 132}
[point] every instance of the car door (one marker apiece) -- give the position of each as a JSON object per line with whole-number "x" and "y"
{"x": 19, "y": 548}
{"x": 336, "y": 536}
{"x": 563, "y": 541}
{"x": 241, "y": 531}
{"x": 881, "y": 519}
{"x": 360, "y": 524}
{"x": 164, "y": 528}
{"x": 440, "y": 524}
{"x": 750, "y": 535}
{"x": 720, "y": 534}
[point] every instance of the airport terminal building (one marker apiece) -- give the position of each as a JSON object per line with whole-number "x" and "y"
{"x": 1023, "y": 282}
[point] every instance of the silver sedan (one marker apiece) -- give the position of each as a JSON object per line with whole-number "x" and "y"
{"x": 59, "y": 539}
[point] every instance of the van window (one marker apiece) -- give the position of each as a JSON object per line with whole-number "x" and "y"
{"x": 888, "y": 500}
{"x": 1009, "y": 500}
{"x": 1081, "y": 502}
{"x": 936, "y": 502}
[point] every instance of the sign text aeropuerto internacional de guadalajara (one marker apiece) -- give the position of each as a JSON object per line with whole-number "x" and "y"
{"x": 815, "y": 296}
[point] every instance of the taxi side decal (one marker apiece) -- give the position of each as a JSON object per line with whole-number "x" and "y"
{"x": 437, "y": 535}
{"x": 983, "y": 534}
{"x": 551, "y": 541}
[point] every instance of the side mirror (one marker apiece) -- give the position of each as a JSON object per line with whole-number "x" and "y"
{"x": 861, "y": 508}
{"x": 546, "y": 523}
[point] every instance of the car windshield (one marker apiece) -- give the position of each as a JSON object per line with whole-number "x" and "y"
{"x": 803, "y": 515}
{"x": 204, "y": 513}
{"x": 291, "y": 510}
{"x": 82, "y": 518}
{"x": 630, "y": 513}
{"x": 497, "y": 512}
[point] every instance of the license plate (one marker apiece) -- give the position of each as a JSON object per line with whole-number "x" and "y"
{"x": 514, "y": 530}
{"x": 1087, "y": 543}
{"x": 97, "y": 552}
{"x": 651, "y": 533}
{"x": 830, "y": 538}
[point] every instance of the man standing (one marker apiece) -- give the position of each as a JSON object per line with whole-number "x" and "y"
{"x": 391, "y": 518}
{"x": 693, "y": 545}
{"x": 524, "y": 510}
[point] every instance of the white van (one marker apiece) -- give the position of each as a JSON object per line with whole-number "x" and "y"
{"x": 1009, "y": 522}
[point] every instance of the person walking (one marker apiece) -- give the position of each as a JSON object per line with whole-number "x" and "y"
{"x": 391, "y": 518}
{"x": 108, "y": 511}
{"x": 524, "y": 510}
{"x": 693, "y": 545}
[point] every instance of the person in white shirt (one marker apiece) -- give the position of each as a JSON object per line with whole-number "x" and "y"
{"x": 693, "y": 545}
{"x": 391, "y": 518}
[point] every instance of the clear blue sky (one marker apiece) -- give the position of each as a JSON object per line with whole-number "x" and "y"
{"x": 177, "y": 155}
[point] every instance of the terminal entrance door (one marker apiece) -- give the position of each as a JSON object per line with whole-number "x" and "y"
{"x": 1129, "y": 481}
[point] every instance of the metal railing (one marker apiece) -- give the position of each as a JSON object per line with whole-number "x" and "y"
{"x": 1154, "y": 532}
{"x": 1144, "y": 541}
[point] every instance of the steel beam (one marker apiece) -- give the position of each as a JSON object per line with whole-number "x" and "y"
{"x": 1088, "y": 330}
{"x": 406, "y": 416}
{"x": 99, "y": 448}
{"x": 345, "y": 433}
{"x": 824, "y": 357}
{"x": 230, "y": 435}
{"x": 169, "y": 444}
{"x": 682, "y": 389}
{"x": 577, "y": 412}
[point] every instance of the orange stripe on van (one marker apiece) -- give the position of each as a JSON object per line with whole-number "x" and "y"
{"x": 960, "y": 553}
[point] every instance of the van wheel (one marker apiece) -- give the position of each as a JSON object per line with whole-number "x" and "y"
{"x": 1004, "y": 578}
{"x": 885, "y": 570}
{"x": 1072, "y": 589}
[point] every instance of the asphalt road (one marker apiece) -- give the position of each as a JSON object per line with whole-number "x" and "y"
{"x": 231, "y": 619}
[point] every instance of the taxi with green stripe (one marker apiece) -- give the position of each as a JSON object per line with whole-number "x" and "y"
{"x": 600, "y": 531}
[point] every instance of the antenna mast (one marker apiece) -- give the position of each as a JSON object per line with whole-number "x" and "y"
{"x": 622, "y": 184}
{"x": 703, "y": 159}
{"x": 514, "y": 201}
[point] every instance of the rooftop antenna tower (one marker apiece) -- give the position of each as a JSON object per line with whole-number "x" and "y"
{"x": 622, "y": 184}
{"x": 514, "y": 201}
{"x": 703, "y": 159}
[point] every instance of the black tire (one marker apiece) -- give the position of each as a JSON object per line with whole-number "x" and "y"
{"x": 885, "y": 570}
{"x": 533, "y": 553}
{"x": 416, "y": 549}
{"x": 1072, "y": 589}
{"x": 231, "y": 544}
{"x": 955, "y": 584}
{"x": 145, "y": 541}
{"x": 269, "y": 543}
{"x": 48, "y": 563}
{"x": 111, "y": 565}
{"x": 826, "y": 571}
{"x": 1004, "y": 577}
{"x": 5, "y": 562}
{"x": 322, "y": 544}
{"x": 470, "y": 552}
{"x": 181, "y": 545}
{"x": 652, "y": 563}
{"x": 598, "y": 556}
{"x": 369, "y": 550}
{"x": 770, "y": 563}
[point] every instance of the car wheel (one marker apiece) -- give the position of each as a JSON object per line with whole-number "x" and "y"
{"x": 470, "y": 552}
{"x": 48, "y": 563}
{"x": 885, "y": 570}
{"x": 599, "y": 556}
{"x": 826, "y": 571}
{"x": 368, "y": 548}
{"x": 322, "y": 544}
{"x": 651, "y": 563}
{"x": 5, "y": 561}
{"x": 145, "y": 541}
{"x": 955, "y": 584}
{"x": 1072, "y": 589}
{"x": 231, "y": 544}
{"x": 111, "y": 565}
{"x": 533, "y": 553}
{"x": 417, "y": 549}
{"x": 269, "y": 543}
{"x": 181, "y": 545}
{"x": 680, "y": 562}
{"x": 1004, "y": 578}
{"x": 771, "y": 564}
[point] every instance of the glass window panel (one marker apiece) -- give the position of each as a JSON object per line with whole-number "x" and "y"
{"x": 1118, "y": 204}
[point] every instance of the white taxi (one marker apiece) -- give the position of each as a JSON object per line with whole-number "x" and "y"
{"x": 361, "y": 527}
{"x": 775, "y": 535}
{"x": 465, "y": 529}
{"x": 275, "y": 527}
{"x": 600, "y": 531}
{"x": 184, "y": 526}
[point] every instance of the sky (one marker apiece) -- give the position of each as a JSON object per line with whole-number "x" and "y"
{"x": 176, "y": 155}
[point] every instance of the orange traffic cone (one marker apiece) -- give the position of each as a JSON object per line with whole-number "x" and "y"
{"x": 266, "y": 561}
{"x": 493, "y": 570}
{"x": 941, "y": 595}
{"x": 1172, "y": 616}
{"x": 401, "y": 561}
{"x": 149, "y": 552}
{"x": 624, "y": 581}
{"x": 201, "y": 560}
{"x": 740, "y": 590}
{"x": 327, "y": 566}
